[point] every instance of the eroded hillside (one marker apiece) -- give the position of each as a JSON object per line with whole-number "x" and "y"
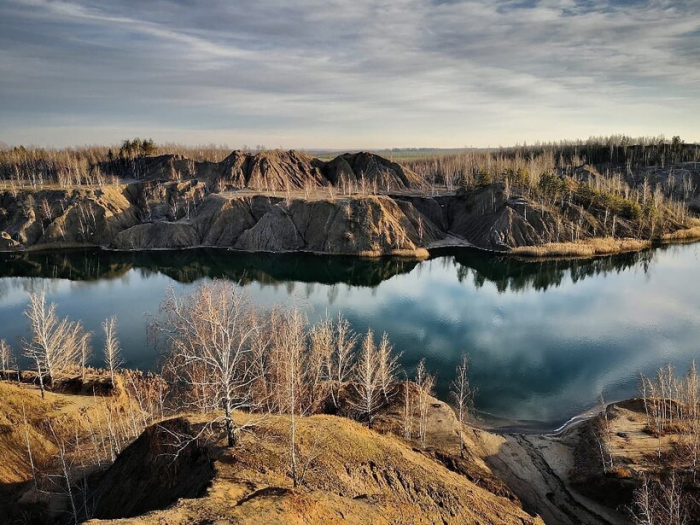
{"x": 351, "y": 474}
{"x": 358, "y": 204}
{"x": 354, "y": 475}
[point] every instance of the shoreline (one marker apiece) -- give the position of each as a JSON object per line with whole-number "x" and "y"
{"x": 586, "y": 249}
{"x": 601, "y": 246}
{"x": 510, "y": 427}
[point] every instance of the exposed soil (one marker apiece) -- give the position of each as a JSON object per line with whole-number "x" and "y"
{"x": 354, "y": 475}
{"x": 358, "y": 204}
{"x": 154, "y": 472}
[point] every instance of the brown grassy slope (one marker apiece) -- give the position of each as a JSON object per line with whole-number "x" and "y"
{"x": 15, "y": 466}
{"x": 66, "y": 415}
{"x": 605, "y": 245}
{"x": 354, "y": 475}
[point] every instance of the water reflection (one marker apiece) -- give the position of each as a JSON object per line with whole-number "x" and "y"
{"x": 545, "y": 337}
{"x": 187, "y": 266}
{"x": 509, "y": 274}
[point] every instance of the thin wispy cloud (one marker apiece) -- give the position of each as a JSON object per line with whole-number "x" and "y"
{"x": 347, "y": 74}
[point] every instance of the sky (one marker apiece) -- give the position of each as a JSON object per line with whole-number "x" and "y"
{"x": 347, "y": 74}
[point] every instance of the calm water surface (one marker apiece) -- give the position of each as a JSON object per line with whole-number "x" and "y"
{"x": 545, "y": 338}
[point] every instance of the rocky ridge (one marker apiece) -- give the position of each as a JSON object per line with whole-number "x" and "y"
{"x": 276, "y": 170}
{"x": 358, "y": 204}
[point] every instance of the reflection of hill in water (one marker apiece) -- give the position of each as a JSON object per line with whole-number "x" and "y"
{"x": 516, "y": 275}
{"x": 507, "y": 273}
{"x": 189, "y": 265}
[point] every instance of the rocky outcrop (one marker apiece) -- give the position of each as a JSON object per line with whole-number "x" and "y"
{"x": 358, "y": 225}
{"x": 156, "y": 236}
{"x": 7, "y": 243}
{"x": 80, "y": 216}
{"x": 273, "y": 170}
{"x": 371, "y": 170}
{"x": 183, "y": 214}
{"x": 277, "y": 201}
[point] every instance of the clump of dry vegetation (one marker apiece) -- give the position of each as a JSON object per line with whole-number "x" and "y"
{"x": 583, "y": 248}
{"x": 649, "y": 449}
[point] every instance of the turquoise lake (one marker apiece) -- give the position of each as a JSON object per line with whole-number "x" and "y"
{"x": 545, "y": 338}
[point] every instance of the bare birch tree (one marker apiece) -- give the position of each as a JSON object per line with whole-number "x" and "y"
{"x": 55, "y": 344}
{"x": 387, "y": 367}
{"x": 692, "y": 398}
{"x": 425, "y": 383}
{"x": 463, "y": 396}
{"x": 340, "y": 362}
{"x": 672, "y": 406}
{"x": 321, "y": 339}
{"x": 112, "y": 350}
{"x": 293, "y": 363}
{"x": 64, "y": 481}
{"x": 30, "y": 453}
{"x": 5, "y": 358}
{"x": 85, "y": 352}
{"x": 660, "y": 502}
{"x": 408, "y": 408}
{"x": 209, "y": 335}
{"x": 603, "y": 432}
{"x": 367, "y": 381}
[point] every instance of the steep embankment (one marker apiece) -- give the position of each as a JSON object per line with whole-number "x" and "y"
{"x": 147, "y": 216}
{"x": 352, "y": 475}
{"x": 535, "y": 470}
{"x": 358, "y": 225}
{"x": 291, "y": 202}
{"x": 357, "y": 475}
{"x": 36, "y": 426}
{"x": 23, "y": 422}
{"x": 178, "y": 203}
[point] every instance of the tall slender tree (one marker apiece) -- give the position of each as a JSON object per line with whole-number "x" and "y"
{"x": 340, "y": 362}
{"x": 426, "y": 383}
{"x": 463, "y": 396}
{"x": 387, "y": 367}
{"x": 112, "y": 350}
{"x": 5, "y": 358}
{"x": 367, "y": 380}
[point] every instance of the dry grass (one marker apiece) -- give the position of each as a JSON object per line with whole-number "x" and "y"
{"x": 418, "y": 253}
{"x": 15, "y": 467}
{"x": 73, "y": 417}
{"x": 354, "y": 475}
{"x": 587, "y": 248}
{"x": 688, "y": 234}
{"x": 632, "y": 445}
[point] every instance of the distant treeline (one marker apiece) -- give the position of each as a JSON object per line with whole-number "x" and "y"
{"x": 81, "y": 165}
{"x": 616, "y": 149}
{"x": 93, "y": 165}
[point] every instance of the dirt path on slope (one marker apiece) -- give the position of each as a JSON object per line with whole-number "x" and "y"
{"x": 536, "y": 468}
